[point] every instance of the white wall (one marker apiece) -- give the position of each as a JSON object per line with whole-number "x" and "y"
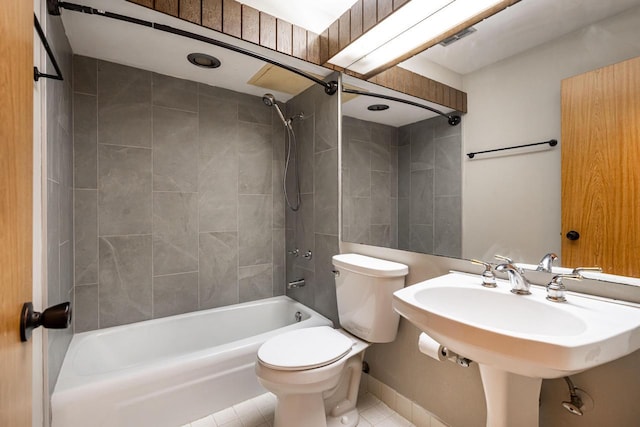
{"x": 512, "y": 202}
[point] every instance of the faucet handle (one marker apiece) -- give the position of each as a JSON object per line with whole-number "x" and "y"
{"x": 579, "y": 270}
{"x": 504, "y": 258}
{"x": 556, "y": 289}
{"x": 488, "y": 278}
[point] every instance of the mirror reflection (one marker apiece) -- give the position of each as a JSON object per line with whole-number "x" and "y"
{"x": 510, "y": 203}
{"x": 401, "y": 183}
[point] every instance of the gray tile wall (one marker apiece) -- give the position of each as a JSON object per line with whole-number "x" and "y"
{"x": 429, "y": 188}
{"x": 59, "y": 188}
{"x": 176, "y": 203}
{"x": 370, "y": 182}
{"x": 315, "y": 225}
{"x": 402, "y": 186}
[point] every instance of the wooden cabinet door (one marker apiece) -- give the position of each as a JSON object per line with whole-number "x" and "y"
{"x": 16, "y": 199}
{"x": 601, "y": 168}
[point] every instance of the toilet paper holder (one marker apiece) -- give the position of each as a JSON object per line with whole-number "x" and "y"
{"x": 435, "y": 350}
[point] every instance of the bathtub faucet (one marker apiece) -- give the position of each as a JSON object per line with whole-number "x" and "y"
{"x": 298, "y": 283}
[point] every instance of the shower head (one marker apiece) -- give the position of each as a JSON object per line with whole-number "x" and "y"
{"x": 270, "y": 101}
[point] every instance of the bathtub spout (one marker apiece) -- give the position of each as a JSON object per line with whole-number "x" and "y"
{"x": 298, "y": 283}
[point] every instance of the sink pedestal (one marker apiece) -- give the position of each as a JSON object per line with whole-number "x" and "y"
{"x": 512, "y": 400}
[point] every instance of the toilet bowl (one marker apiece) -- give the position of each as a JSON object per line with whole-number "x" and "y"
{"x": 315, "y": 377}
{"x": 315, "y": 372}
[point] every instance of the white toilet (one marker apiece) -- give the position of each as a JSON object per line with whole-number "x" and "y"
{"x": 315, "y": 372}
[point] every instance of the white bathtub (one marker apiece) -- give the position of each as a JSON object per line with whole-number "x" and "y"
{"x": 170, "y": 371}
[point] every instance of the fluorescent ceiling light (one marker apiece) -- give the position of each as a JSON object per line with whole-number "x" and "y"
{"x": 412, "y": 25}
{"x": 313, "y": 15}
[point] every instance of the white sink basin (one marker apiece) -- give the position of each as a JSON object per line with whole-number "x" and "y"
{"x": 525, "y": 335}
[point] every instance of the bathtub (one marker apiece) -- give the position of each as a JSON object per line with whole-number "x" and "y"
{"x": 173, "y": 370}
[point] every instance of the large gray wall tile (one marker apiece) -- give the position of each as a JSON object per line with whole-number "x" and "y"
{"x": 326, "y": 192}
{"x": 175, "y": 150}
{"x": 255, "y": 282}
{"x": 447, "y": 231}
{"x": 124, "y": 190}
{"x": 304, "y": 233}
{"x": 86, "y": 308}
{"x": 85, "y": 75}
{"x": 326, "y": 121}
{"x": 422, "y": 147}
{"x": 53, "y": 242}
{"x": 359, "y": 156}
{"x": 175, "y": 233}
{"x": 448, "y": 170}
{"x": 403, "y": 223}
{"x": 421, "y": 201}
{"x": 124, "y": 105}
{"x": 381, "y": 235}
{"x": 251, "y": 109}
{"x": 303, "y": 144}
{"x": 254, "y": 229}
{"x": 218, "y": 165}
{"x": 175, "y": 294}
{"x": 54, "y": 133}
{"x": 421, "y": 238}
{"x": 66, "y": 270}
{"x": 279, "y": 206}
{"x": 218, "y": 281}
{"x": 279, "y": 261}
{"x": 174, "y": 93}
{"x": 255, "y": 156}
{"x": 404, "y": 164}
{"x": 85, "y": 141}
{"x": 86, "y": 236}
{"x": 125, "y": 279}
{"x": 66, "y": 214}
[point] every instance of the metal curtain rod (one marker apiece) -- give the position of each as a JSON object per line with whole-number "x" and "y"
{"x": 36, "y": 73}
{"x": 551, "y": 142}
{"x": 453, "y": 119}
{"x": 54, "y": 8}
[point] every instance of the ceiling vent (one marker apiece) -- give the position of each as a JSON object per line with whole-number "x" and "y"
{"x": 460, "y": 35}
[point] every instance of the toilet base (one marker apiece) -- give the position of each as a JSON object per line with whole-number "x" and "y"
{"x": 348, "y": 419}
{"x": 300, "y": 410}
{"x": 308, "y": 410}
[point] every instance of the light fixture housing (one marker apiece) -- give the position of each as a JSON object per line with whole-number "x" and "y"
{"x": 378, "y": 107}
{"x": 408, "y": 28}
{"x": 203, "y": 60}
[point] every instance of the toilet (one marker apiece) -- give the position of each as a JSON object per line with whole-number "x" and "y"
{"x": 315, "y": 372}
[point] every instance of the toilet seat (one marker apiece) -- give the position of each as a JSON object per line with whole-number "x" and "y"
{"x": 303, "y": 349}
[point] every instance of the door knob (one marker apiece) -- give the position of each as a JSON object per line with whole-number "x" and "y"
{"x": 573, "y": 235}
{"x": 54, "y": 317}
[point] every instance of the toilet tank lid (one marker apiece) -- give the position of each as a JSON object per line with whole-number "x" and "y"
{"x": 370, "y": 266}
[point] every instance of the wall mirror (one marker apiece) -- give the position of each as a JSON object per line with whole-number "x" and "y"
{"x": 507, "y": 203}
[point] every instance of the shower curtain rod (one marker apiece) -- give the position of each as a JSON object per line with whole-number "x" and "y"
{"x": 36, "y": 73}
{"x": 54, "y": 6}
{"x": 452, "y": 119}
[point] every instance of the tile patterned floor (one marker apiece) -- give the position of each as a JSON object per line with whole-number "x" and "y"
{"x": 258, "y": 412}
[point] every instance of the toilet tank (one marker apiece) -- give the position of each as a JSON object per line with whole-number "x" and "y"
{"x": 364, "y": 290}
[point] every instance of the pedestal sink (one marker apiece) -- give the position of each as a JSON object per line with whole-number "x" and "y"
{"x": 518, "y": 340}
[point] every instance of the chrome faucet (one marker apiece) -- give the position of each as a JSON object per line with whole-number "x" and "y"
{"x": 546, "y": 263}
{"x": 519, "y": 284}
